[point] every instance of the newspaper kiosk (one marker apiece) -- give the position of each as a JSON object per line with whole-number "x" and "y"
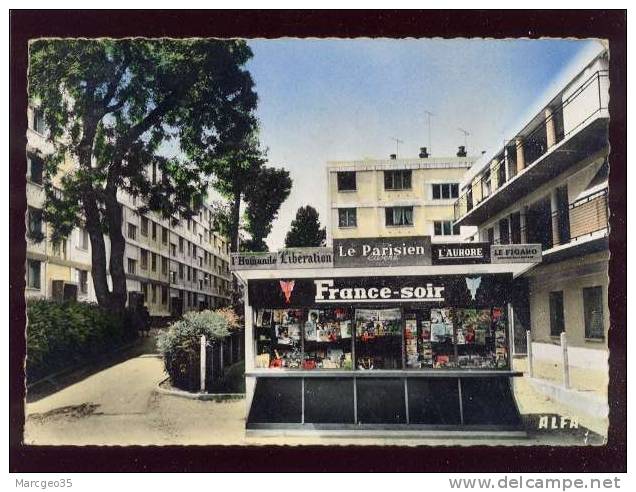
{"x": 419, "y": 344}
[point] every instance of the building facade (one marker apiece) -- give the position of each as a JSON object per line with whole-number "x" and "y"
{"x": 396, "y": 197}
{"x": 177, "y": 268}
{"x": 549, "y": 185}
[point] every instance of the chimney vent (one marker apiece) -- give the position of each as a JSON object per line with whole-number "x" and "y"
{"x": 462, "y": 151}
{"x": 423, "y": 153}
{"x": 393, "y": 156}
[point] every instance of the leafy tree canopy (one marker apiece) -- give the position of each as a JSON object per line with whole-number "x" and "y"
{"x": 305, "y": 230}
{"x": 264, "y": 196}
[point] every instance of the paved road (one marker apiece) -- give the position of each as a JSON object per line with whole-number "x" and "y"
{"x": 118, "y": 406}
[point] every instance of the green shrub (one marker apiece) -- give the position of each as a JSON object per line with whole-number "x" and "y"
{"x": 63, "y": 333}
{"x": 180, "y": 345}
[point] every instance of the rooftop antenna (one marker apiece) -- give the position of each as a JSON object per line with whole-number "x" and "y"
{"x": 430, "y": 143}
{"x": 397, "y": 144}
{"x": 465, "y": 136}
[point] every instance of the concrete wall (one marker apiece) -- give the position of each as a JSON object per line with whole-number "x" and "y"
{"x": 588, "y": 99}
{"x": 570, "y": 277}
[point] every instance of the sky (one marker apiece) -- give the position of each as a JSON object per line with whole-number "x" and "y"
{"x": 325, "y": 100}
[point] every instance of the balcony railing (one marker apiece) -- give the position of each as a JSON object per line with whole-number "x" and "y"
{"x": 583, "y": 218}
{"x": 521, "y": 153}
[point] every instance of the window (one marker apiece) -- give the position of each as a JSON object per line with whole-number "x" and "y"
{"x": 144, "y": 259}
{"x": 347, "y": 217}
{"x": 36, "y": 169}
{"x": 83, "y": 239}
{"x": 144, "y": 226}
{"x": 194, "y": 251}
{"x": 445, "y": 191}
{"x": 399, "y": 216}
{"x": 164, "y": 295}
{"x": 397, "y": 180}
{"x": 154, "y": 231}
{"x": 515, "y": 228}
{"x": 154, "y": 294}
{"x": 132, "y": 266}
{"x": 132, "y": 231}
{"x": 35, "y": 222}
{"x": 82, "y": 280}
{"x": 164, "y": 235}
{"x": 593, "y": 312}
{"x": 486, "y": 185}
{"x": 445, "y": 228}
{"x": 189, "y": 276}
{"x": 173, "y": 249}
{"x": 33, "y": 274}
{"x": 194, "y": 274}
{"x": 39, "y": 124}
{"x": 154, "y": 262}
{"x": 347, "y": 181}
{"x": 144, "y": 291}
{"x": 504, "y": 232}
{"x": 180, "y": 245}
{"x": 557, "y": 325}
{"x": 181, "y": 271}
{"x": 59, "y": 249}
{"x": 164, "y": 266}
{"x": 491, "y": 235}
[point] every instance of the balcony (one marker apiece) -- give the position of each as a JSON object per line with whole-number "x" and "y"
{"x": 569, "y": 132}
{"x": 582, "y": 228}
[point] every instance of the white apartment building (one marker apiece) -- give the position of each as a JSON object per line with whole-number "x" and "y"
{"x": 549, "y": 185}
{"x": 177, "y": 268}
{"x": 396, "y": 197}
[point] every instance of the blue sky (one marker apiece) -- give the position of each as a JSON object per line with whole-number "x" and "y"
{"x": 322, "y": 100}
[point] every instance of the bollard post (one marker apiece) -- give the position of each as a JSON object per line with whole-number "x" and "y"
{"x": 202, "y": 364}
{"x": 566, "y": 365}
{"x": 529, "y": 350}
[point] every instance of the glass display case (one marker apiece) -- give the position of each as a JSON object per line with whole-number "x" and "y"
{"x": 392, "y": 338}
{"x": 378, "y": 339}
{"x": 327, "y": 339}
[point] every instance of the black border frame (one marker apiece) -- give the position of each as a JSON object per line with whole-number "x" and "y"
{"x": 607, "y": 24}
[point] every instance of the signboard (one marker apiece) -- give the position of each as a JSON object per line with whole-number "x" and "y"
{"x": 515, "y": 253}
{"x": 460, "y": 253}
{"x": 382, "y": 252}
{"x": 485, "y": 290}
{"x": 283, "y": 259}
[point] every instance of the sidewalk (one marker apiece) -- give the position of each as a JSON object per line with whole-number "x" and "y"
{"x": 533, "y": 401}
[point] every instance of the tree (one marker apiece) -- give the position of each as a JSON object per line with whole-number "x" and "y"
{"x": 110, "y": 105}
{"x": 234, "y": 172}
{"x": 264, "y": 195}
{"x": 305, "y": 229}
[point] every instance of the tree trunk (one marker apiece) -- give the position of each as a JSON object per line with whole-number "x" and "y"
{"x": 98, "y": 251}
{"x": 117, "y": 251}
{"x": 234, "y": 225}
{"x": 93, "y": 223}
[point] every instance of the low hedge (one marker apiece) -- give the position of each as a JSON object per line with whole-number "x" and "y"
{"x": 61, "y": 334}
{"x": 180, "y": 344}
